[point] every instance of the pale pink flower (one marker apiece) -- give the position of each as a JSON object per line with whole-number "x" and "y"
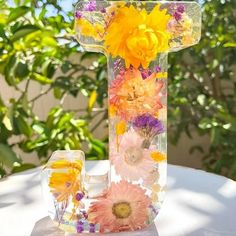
{"x": 124, "y": 206}
{"x": 130, "y": 159}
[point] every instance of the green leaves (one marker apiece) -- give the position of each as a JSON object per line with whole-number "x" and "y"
{"x": 24, "y": 30}
{"x": 16, "y": 13}
{"x": 202, "y": 95}
{"x": 7, "y": 156}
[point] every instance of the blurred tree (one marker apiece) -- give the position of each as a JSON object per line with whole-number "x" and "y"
{"x": 202, "y": 88}
{"x": 34, "y": 45}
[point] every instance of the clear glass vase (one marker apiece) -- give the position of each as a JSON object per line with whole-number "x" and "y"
{"x": 136, "y": 37}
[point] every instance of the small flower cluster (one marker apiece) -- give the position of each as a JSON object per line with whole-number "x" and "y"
{"x": 90, "y": 6}
{"x": 177, "y": 11}
{"x": 145, "y": 73}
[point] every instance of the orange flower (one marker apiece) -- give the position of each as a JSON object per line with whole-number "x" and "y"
{"x": 133, "y": 96}
{"x": 137, "y": 36}
{"x": 64, "y": 184}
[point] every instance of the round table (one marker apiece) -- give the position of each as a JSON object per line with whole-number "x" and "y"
{"x": 197, "y": 204}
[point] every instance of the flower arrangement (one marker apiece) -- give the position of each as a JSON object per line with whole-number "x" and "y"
{"x": 136, "y": 37}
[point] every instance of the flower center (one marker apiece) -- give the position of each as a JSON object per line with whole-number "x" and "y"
{"x": 121, "y": 210}
{"x": 133, "y": 156}
{"x": 142, "y": 42}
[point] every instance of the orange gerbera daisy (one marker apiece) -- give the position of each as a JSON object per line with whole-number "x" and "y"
{"x": 137, "y": 36}
{"x": 131, "y": 95}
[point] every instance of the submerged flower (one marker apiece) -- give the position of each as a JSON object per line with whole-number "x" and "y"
{"x": 158, "y": 156}
{"x": 64, "y": 184}
{"x": 86, "y": 28}
{"x": 148, "y": 127}
{"x": 137, "y": 36}
{"x": 181, "y": 8}
{"x": 132, "y": 96}
{"x": 131, "y": 160}
{"x": 124, "y": 206}
{"x": 78, "y": 14}
{"x": 80, "y": 227}
{"x": 177, "y": 15}
{"x": 90, "y": 6}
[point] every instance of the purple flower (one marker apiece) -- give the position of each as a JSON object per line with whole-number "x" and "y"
{"x": 103, "y": 10}
{"x": 158, "y": 69}
{"x": 177, "y": 16}
{"x": 146, "y": 73}
{"x": 90, "y": 6}
{"x": 148, "y": 125}
{"x": 80, "y": 227}
{"x": 91, "y": 228}
{"x": 79, "y": 196}
{"x": 181, "y": 8}
{"x": 78, "y": 14}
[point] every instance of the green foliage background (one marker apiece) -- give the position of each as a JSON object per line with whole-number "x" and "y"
{"x": 35, "y": 45}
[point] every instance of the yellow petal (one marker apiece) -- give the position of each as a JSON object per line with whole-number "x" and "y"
{"x": 158, "y": 156}
{"x": 120, "y": 128}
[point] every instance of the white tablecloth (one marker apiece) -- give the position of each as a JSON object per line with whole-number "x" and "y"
{"x": 197, "y": 204}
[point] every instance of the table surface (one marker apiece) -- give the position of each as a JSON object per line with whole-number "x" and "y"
{"x": 197, "y": 203}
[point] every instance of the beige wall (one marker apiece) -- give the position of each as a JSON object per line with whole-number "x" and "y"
{"x": 176, "y": 154}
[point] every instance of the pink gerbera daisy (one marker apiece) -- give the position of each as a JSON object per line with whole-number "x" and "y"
{"x": 131, "y": 160}
{"x": 124, "y": 206}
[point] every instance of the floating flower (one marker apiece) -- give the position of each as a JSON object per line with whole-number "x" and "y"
{"x": 132, "y": 96}
{"x": 64, "y": 184}
{"x": 141, "y": 35}
{"x": 151, "y": 179}
{"x": 148, "y": 126}
{"x": 90, "y": 6}
{"x": 158, "y": 156}
{"x": 124, "y": 206}
{"x": 131, "y": 160}
{"x": 78, "y": 14}
{"x": 63, "y": 163}
{"x": 86, "y": 28}
{"x": 120, "y": 128}
{"x": 183, "y": 29}
{"x": 80, "y": 227}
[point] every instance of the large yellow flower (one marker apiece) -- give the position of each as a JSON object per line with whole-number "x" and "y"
{"x": 137, "y": 36}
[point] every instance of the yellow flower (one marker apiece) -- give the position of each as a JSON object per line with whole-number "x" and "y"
{"x": 120, "y": 128}
{"x": 86, "y": 28}
{"x": 63, "y": 163}
{"x": 137, "y": 36}
{"x": 64, "y": 184}
{"x": 158, "y": 156}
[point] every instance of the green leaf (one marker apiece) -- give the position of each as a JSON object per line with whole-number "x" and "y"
{"x": 2, "y": 172}
{"x": 230, "y": 45}
{"x": 23, "y": 126}
{"x": 41, "y": 79}
{"x": 23, "y": 167}
{"x": 88, "y": 55}
{"x": 7, "y": 156}
{"x": 24, "y": 30}
{"x": 21, "y": 70}
{"x": 17, "y": 12}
